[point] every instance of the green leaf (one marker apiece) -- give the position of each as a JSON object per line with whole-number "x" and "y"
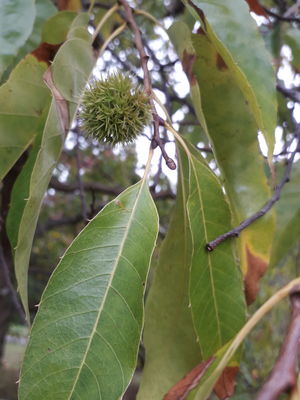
{"x": 22, "y": 101}
{"x": 232, "y": 131}
{"x": 87, "y": 348}
{"x": 292, "y": 39}
{"x": 287, "y": 232}
{"x": 16, "y": 23}
{"x": 44, "y": 10}
{"x": 78, "y": 28}
{"x": 169, "y": 336}
{"x": 57, "y": 27}
{"x": 76, "y": 57}
{"x": 21, "y": 189}
{"x": 216, "y": 289}
{"x": 74, "y": 52}
{"x": 235, "y": 36}
{"x": 180, "y": 34}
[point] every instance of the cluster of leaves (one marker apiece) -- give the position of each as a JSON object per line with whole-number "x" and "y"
{"x": 197, "y": 300}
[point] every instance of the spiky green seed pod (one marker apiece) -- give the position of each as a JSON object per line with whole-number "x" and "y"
{"x": 114, "y": 111}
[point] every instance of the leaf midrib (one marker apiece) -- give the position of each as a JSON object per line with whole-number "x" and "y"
{"x": 94, "y": 330}
{"x": 208, "y": 256}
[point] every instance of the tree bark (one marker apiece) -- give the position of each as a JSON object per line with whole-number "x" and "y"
{"x": 6, "y": 298}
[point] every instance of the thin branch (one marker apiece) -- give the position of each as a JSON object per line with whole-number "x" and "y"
{"x": 276, "y": 196}
{"x": 10, "y": 287}
{"x": 126, "y": 65}
{"x": 102, "y": 188}
{"x": 281, "y": 17}
{"x": 293, "y": 94}
{"x": 205, "y": 149}
{"x": 284, "y": 376}
{"x": 156, "y": 141}
{"x": 293, "y": 9}
{"x": 97, "y": 4}
{"x": 52, "y": 223}
{"x": 65, "y": 221}
{"x": 92, "y": 186}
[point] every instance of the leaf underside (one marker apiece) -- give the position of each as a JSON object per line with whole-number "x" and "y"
{"x": 228, "y": 121}
{"x": 169, "y": 335}
{"x": 66, "y": 80}
{"x": 85, "y": 337}
{"x": 216, "y": 289}
{"x": 235, "y": 36}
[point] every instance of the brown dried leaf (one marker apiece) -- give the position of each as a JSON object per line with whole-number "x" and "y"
{"x": 188, "y": 382}
{"x": 72, "y": 5}
{"x": 45, "y": 52}
{"x": 224, "y": 388}
{"x": 256, "y": 269}
{"x": 187, "y": 65}
{"x": 221, "y": 65}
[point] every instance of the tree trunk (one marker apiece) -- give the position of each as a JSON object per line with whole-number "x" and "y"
{"x": 6, "y": 263}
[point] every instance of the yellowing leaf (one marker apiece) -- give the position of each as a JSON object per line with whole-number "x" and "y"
{"x": 231, "y": 128}
{"x": 235, "y": 36}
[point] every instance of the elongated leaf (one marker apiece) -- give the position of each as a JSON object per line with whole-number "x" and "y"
{"x": 223, "y": 357}
{"x": 87, "y": 348}
{"x": 57, "y": 123}
{"x": 232, "y": 131}
{"x": 22, "y": 101}
{"x": 20, "y": 192}
{"x": 235, "y": 36}
{"x": 288, "y": 221}
{"x": 169, "y": 336}
{"x": 216, "y": 290}
{"x": 16, "y": 23}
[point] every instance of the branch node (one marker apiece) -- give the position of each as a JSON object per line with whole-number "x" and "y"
{"x": 171, "y": 163}
{"x": 269, "y": 204}
{"x": 157, "y": 121}
{"x": 209, "y": 247}
{"x": 153, "y": 144}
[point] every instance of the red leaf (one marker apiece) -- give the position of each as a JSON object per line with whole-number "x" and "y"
{"x": 256, "y": 8}
{"x": 224, "y": 388}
